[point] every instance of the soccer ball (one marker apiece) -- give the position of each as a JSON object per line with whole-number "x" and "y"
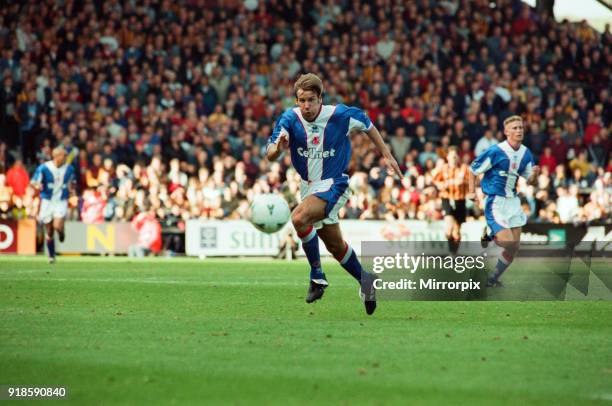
{"x": 269, "y": 212}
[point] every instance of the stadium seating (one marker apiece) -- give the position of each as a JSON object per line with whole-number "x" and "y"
{"x": 172, "y": 105}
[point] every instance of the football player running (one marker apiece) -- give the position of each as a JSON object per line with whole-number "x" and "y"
{"x": 55, "y": 180}
{"x": 502, "y": 165}
{"x": 319, "y": 139}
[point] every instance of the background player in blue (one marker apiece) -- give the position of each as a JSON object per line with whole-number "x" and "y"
{"x": 55, "y": 180}
{"x": 318, "y": 137}
{"x": 502, "y": 164}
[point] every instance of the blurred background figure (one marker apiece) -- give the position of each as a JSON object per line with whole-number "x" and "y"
{"x": 149, "y": 234}
{"x": 288, "y": 246}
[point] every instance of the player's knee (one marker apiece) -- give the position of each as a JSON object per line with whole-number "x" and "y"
{"x": 299, "y": 219}
{"x": 512, "y": 249}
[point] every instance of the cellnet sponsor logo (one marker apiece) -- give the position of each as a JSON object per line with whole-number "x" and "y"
{"x": 314, "y": 154}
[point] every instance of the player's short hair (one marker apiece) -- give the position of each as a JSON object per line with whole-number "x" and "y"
{"x": 454, "y": 149}
{"x": 57, "y": 150}
{"x": 512, "y": 119}
{"x": 309, "y": 81}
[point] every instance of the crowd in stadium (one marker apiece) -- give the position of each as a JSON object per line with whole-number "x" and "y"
{"x": 168, "y": 105}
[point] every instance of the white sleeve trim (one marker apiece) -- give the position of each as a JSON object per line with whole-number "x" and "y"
{"x": 357, "y": 125}
{"x": 282, "y": 132}
{"x": 486, "y": 165}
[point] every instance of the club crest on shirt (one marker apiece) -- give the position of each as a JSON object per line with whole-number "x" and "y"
{"x": 514, "y": 164}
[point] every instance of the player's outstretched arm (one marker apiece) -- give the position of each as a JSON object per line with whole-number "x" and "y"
{"x": 473, "y": 182}
{"x": 36, "y": 186}
{"x": 533, "y": 177}
{"x": 36, "y": 181}
{"x": 275, "y": 149}
{"x": 376, "y": 138}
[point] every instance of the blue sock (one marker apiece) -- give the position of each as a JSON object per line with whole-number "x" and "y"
{"x": 502, "y": 264}
{"x": 51, "y": 248}
{"x": 350, "y": 262}
{"x": 310, "y": 244}
{"x": 317, "y": 275}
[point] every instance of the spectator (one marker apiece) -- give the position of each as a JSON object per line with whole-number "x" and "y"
{"x": 485, "y": 142}
{"x": 597, "y": 151}
{"x": 17, "y": 178}
{"x": 558, "y": 147}
{"x": 93, "y": 207}
{"x": 400, "y": 144}
{"x": 548, "y": 160}
{"x": 93, "y": 174}
{"x": 567, "y": 204}
{"x": 149, "y": 234}
{"x": 581, "y": 164}
{"x": 428, "y": 154}
{"x": 29, "y": 113}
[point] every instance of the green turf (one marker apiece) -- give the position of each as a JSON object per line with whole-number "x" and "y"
{"x": 181, "y": 331}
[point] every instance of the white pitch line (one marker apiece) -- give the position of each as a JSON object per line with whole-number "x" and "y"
{"x": 603, "y": 396}
{"x": 160, "y": 282}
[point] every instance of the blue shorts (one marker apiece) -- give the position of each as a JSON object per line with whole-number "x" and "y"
{"x": 504, "y": 213}
{"x": 334, "y": 191}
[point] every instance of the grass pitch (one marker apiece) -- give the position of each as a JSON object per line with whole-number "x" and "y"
{"x": 183, "y": 331}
